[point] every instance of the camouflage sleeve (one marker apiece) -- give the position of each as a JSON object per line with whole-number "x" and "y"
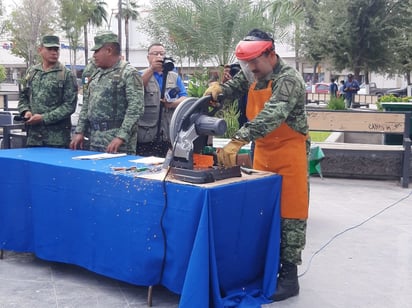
{"x": 83, "y": 122}
{"x": 24, "y": 100}
{"x": 236, "y": 87}
{"x": 68, "y": 104}
{"x": 135, "y": 103}
{"x": 287, "y": 104}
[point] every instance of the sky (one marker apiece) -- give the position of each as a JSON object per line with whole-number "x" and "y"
{"x": 111, "y": 4}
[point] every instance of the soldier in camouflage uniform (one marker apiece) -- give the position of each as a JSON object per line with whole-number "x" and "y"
{"x": 112, "y": 101}
{"x": 48, "y": 97}
{"x": 278, "y": 125}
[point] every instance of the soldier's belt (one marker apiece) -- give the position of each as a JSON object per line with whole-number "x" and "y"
{"x": 105, "y": 125}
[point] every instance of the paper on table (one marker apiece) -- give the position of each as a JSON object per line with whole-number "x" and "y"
{"x": 150, "y": 160}
{"x": 100, "y": 156}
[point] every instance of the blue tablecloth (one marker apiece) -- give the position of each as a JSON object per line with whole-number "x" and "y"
{"x": 215, "y": 244}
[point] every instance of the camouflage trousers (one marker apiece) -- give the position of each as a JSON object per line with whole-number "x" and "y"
{"x": 293, "y": 240}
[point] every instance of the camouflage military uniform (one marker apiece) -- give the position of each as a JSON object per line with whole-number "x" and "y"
{"x": 43, "y": 93}
{"x": 287, "y": 104}
{"x": 88, "y": 71}
{"x": 111, "y": 109}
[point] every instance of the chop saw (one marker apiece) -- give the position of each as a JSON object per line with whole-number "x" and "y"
{"x": 192, "y": 123}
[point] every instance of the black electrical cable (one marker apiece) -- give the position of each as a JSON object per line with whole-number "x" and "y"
{"x": 164, "y": 213}
{"x": 352, "y": 228}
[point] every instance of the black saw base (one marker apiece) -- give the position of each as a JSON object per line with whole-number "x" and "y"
{"x": 204, "y": 175}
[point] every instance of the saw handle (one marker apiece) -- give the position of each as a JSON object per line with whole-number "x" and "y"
{"x": 215, "y": 106}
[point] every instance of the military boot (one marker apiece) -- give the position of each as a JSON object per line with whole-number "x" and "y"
{"x": 287, "y": 284}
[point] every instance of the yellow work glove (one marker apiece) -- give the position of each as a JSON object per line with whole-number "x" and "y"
{"x": 214, "y": 89}
{"x": 226, "y": 156}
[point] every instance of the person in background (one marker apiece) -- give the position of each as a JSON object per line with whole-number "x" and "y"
{"x": 48, "y": 98}
{"x": 229, "y": 71}
{"x": 112, "y": 101}
{"x": 341, "y": 87}
{"x": 278, "y": 125}
{"x": 351, "y": 87}
{"x": 154, "y": 132}
{"x": 226, "y": 73}
{"x": 333, "y": 88}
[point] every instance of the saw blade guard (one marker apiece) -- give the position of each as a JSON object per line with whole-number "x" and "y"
{"x": 192, "y": 122}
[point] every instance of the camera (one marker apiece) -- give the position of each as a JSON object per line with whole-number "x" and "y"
{"x": 19, "y": 118}
{"x": 234, "y": 69}
{"x": 168, "y": 64}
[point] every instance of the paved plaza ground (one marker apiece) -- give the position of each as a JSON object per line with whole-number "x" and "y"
{"x": 358, "y": 254}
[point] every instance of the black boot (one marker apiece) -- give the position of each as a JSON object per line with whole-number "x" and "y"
{"x": 287, "y": 284}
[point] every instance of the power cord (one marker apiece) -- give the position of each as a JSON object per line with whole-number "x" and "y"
{"x": 164, "y": 210}
{"x": 352, "y": 228}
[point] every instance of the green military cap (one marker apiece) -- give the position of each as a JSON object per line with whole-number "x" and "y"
{"x": 50, "y": 41}
{"x": 104, "y": 37}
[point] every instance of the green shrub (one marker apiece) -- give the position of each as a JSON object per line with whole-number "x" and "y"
{"x": 230, "y": 114}
{"x": 391, "y": 98}
{"x": 3, "y": 74}
{"x": 198, "y": 83}
{"x": 336, "y": 103}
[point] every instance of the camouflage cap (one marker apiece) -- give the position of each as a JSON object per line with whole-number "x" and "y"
{"x": 102, "y": 38}
{"x": 50, "y": 41}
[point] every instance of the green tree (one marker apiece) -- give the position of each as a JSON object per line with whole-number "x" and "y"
{"x": 128, "y": 12}
{"x": 28, "y": 22}
{"x": 3, "y": 74}
{"x": 95, "y": 13}
{"x": 356, "y": 34}
{"x": 2, "y": 22}
{"x": 72, "y": 23}
{"x": 205, "y": 29}
{"x": 402, "y": 55}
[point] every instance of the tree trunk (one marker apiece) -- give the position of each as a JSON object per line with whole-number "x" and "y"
{"x": 119, "y": 24}
{"x": 86, "y": 47}
{"x": 408, "y": 78}
{"x": 126, "y": 37}
{"x": 315, "y": 73}
{"x": 366, "y": 77}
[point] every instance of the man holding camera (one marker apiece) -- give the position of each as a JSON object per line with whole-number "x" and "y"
{"x": 164, "y": 91}
{"x": 112, "y": 101}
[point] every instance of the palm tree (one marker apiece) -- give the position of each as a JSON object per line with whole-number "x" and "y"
{"x": 128, "y": 12}
{"x": 210, "y": 29}
{"x": 95, "y": 15}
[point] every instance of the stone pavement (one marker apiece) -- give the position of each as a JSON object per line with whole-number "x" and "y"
{"x": 358, "y": 254}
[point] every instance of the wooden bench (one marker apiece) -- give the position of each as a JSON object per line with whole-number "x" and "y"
{"x": 6, "y": 97}
{"x": 359, "y": 99}
{"x": 365, "y": 99}
{"x": 316, "y": 98}
{"x": 366, "y": 122}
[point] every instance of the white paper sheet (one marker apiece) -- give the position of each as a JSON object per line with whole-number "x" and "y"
{"x": 100, "y": 156}
{"x": 150, "y": 160}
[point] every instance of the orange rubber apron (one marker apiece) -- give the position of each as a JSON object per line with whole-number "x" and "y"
{"x": 282, "y": 151}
